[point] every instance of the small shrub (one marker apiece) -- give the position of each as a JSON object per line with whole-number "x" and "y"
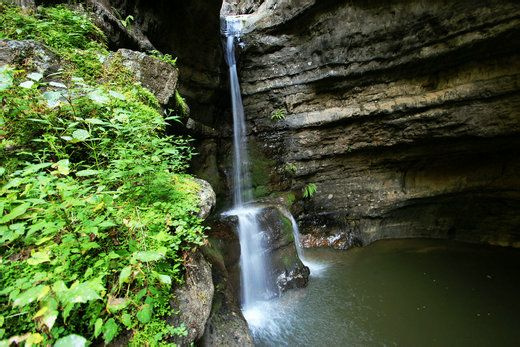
{"x": 278, "y": 114}
{"x": 181, "y": 104}
{"x": 309, "y": 190}
{"x": 167, "y": 58}
{"x": 127, "y": 21}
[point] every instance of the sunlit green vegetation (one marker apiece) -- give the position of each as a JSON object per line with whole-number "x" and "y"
{"x": 96, "y": 213}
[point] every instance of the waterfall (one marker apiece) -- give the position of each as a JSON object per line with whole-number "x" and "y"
{"x": 253, "y": 266}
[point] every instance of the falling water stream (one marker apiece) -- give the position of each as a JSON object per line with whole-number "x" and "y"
{"x": 254, "y": 286}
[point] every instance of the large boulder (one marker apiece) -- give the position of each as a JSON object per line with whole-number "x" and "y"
{"x": 286, "y": 270}
{"x": 158, "y": 76}
{"x": 226, "y": 325}
{"x": 32, "y": 55}
{"x": 207, "y": 198}
{"x": 193, "y": 300}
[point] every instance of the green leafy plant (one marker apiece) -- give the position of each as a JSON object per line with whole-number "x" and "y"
{"x": 167, "y": 58}
{"x": 290, "y": 169}
{"x": 127, "y": 21}
{"x": 309, "y": 190}
{"x": 96, "y": 214}
{"x": 181, "y": 104}
{"x": 278, "y": 114}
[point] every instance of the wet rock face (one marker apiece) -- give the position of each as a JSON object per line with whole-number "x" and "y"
{"x": 286, "y": 269}
{"x": 188, "y": 30}
{"x": 405, "y": 114}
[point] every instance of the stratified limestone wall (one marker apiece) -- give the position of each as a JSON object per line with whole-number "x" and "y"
{"x": 406, "y": 115}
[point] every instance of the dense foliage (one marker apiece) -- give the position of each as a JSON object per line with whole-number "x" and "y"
{"x": 95, "y": 214}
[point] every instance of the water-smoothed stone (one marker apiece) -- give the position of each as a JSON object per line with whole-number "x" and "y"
{"x": 285, "y": 269}
{"x": 156, "y": 75}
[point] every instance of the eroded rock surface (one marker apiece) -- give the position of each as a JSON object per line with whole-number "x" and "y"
{"x": 405, "y": 114}
{"x": 30, "y": 54}
{"x": 193, "y": 300}
{"x": 156, "y": 75}
{"x": 226, "y": 325}
{"x": 286, "y": 269}
{"x": 207, "y": 198}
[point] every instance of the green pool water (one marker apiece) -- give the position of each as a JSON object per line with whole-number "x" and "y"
{"x": 400, "y": 293}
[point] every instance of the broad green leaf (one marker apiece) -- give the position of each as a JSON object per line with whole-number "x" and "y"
{"x": 41, "y": 312}
{"x": 145, "y": 314}
{"x": 80, "y": 293}
{"x": 94, "y": 121}
{"x": 2, "y": 319}
{"x": 125, "y": 275}
{"x": 35, "y": 76}
{"x": 98, "y": 96}
{"x": 113, "y": 255}
{"x": 116, "y": 304}
{"x": 38, "y": 258}
{"x": 126, "y": 319}
{"x": 59, "y": 287}
{"x": 97, "y": 327}
{"x": 110, "y": 330}
{"x": 147, "y": 256}
{"x": 49, "y": 318}
{"x": 165, "y": 279}
{"x": 27, "y": 84}
{"x": 72, "y": 340}
{"x": 141, "y": 293}
{"x": 31, "y": 169}
{"x": 2, "y": 171}
{"x": 84, "y": 173}
{"x": 31, "y": 295}
{"x": 53, "y": 98}
{"x": 66, "y": 311}
{"x": 15, "y": 213}
{"x": 6, "y": 77}
{"x": 80, "y": 135}
{"x": 57, "y": 85}
{"x": 33, "y": 339}
{"x": 63, "y": 167}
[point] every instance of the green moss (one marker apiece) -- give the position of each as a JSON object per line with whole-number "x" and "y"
{"x": 287, "y": 229}
{"x": 71, "y": 35}
{"x": 261, "y": 170}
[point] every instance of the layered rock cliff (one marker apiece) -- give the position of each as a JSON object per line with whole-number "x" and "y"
{"x": 405, "y": 114}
